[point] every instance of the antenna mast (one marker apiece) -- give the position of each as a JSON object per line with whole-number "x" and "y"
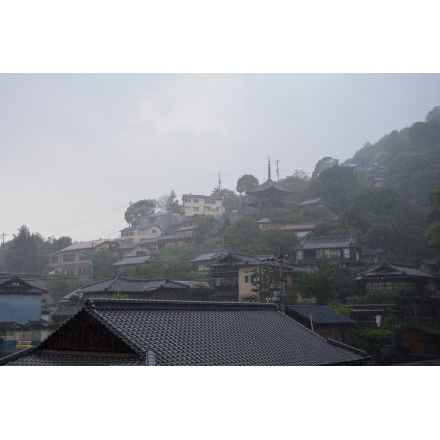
{"x": 268, "y": 168}
{"x": 278, "y": 169}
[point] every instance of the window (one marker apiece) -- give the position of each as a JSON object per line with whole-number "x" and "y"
{"x": 247, "y": 279}
{"x": 300, "y": 254}
{"x": 196, "y": 208}
{"x": 322, "y": 254}
{"x": 67, "y": 258}
{"x": 346, "y": 253}
{"x": 195, "y": 200}
{"x": 335, "y": 253}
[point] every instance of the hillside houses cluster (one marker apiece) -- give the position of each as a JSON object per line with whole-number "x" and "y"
{"x": 227, "y": 319}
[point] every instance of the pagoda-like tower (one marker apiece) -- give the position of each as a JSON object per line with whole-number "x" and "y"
{"x": 268, "y": 194}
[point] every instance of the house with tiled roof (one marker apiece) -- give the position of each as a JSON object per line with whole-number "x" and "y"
{"x": 389, "y": 276}
{"x": 322, "y": 320}
{"x": 76, "y": 260}
{"x": 151, "y": 289}
{"x": 233, "y": 275}
{"x": 201, "y": 262}
{"x": 340, "y": 248}
{"x": 25, "y": 306}
{"x": 129, "y": 264}
{"x": 161, "y": 333}
{"x": 20, "y": 299}
{"x": 300, "y": 229}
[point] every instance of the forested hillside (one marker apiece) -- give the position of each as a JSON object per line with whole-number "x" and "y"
{"x": 410, "y": 159}
{"x": 381, "y": 195}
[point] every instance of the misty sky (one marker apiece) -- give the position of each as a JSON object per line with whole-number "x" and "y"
{"x": 78, "y": 148}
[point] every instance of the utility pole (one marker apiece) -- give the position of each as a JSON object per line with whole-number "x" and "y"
{"x": 3, "y": 235}
{"x": 282, "y": 291}
{"x": 278, "y": 169}
{"x": 268, "y": 168}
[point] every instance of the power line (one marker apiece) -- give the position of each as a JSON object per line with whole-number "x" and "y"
{"x": 85, "y": 221}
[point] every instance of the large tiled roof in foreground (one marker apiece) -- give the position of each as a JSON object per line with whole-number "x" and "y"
{"x": 195, "y": 333}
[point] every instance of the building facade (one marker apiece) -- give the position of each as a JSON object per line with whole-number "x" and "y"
{"x": 202, "y": 205}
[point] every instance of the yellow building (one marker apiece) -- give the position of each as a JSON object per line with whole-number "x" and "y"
{"x": 202, "y": 205}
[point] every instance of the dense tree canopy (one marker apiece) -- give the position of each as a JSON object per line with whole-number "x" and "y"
{"x": 172, "y": 205}
{"x": 136, "y": 211}
{"x": 433, "y": 219}
{"x": 323, "y": 164}
{"x": 26, "y": 252}
{"x": 330, "y": 283}
{"x": 337, "y": 186}
{"x": 433, "y": 115}
{"x": 246, "y": 183}
{"x": 383, "y": 218}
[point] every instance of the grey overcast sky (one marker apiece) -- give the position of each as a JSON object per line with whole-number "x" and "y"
{"x": 77, "y": 148}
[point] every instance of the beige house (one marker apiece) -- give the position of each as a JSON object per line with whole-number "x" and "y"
{"x": 232, "y": 275}
{"x": 76, "y": 260}
{"x": 202, "y": 205}
{"x": 135, "y": 234}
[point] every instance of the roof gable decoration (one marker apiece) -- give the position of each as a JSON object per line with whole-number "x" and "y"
{"x": 16, "y": 284}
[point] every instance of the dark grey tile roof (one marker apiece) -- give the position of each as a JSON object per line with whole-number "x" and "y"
{"x": 47, "y": 360}
{"x": 93, "y": 244}
{"x": 209, "y": 256}
{"x": 319, "y": 314}
{"x": 241, "y": 259}
{"x": 123, "y": 284}
{"x": 135, "y": 260}
{"x": 22, "y": 284}
{"x": 397, "y": 269}
{"x": 270, "y": 187}
{"x": 201, "y": 333}
{"x": 327, "y": 242}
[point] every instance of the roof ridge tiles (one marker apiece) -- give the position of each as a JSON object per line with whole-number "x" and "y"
{"x": 101, "y": 303}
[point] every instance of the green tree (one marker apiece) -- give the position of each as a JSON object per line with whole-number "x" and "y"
{"x": 59, "y": 287}
{"x": 172, "y": 205}
{"x": 383, "y": 218}
{"x": 297, "y": 184}
{"x": 102, "y": 264}
{"x": 433, "y": 219}
{"x": 136, "y": 211}
{"x": 330, "y": 283}
{"x": 262, "y": 281}
{"x": 242, "y": 235}
{"x": 207, "y": 228}
{"x": 27, "y": 253}
{"x": 246, "y": 182}
{"x": 336, "y": 185}
{"x": 323, "y": 164}
{"x": 173, "y": 263}
{"x": 433, "y": 115}
{"x": 56, "y": 244}
{"x": 230, "y": 198}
